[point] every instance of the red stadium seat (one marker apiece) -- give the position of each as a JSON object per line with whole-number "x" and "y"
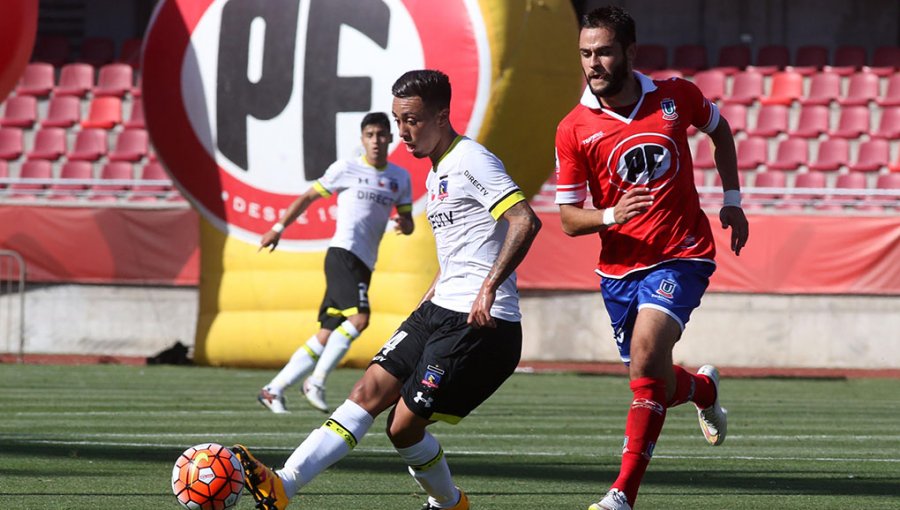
{"x": 97, "y": 51}
{"x": 833, "y": 154}
{"x": 863, "y": 88}
{"x": 810, "y": 59}
{"x": 813, "y": 122}
{"x": 886, "y": 60}
{"x": 131, "y": 145}
{"x": 747, "y": 87}
{"x": 114, "y": 80}
{"x": 114, "y": 170}
{"x": 736, "y": 115}
{"x": 796, "y": 199}
{"x": 666, "y": 74}
{"x": 711, "y": 83}
{"x": 889, "y": 125}
{"x": 690, "y": 58}
{"x": 37, "y": 80}
{"x": 884, "y": 182}
{"x": 31, "y": 169}
{"x": 4, "y": 172}
{"x": 892, "y": 94}
{"x": 703, "y": 159}
{"x": 733, "y": 58}
{"x": 772, "y": 58}
{"x": 90, "y": 145}
{"x": 791, "y": 154}
{"x": 11, "y": 145}
{"x": 52, "y": 49}
{"x": 75, "y": 80}
{"x": 873, "y": 155}
{"x": 151, "y": 192}
{"x": 49, "y": 144}
{"x": 853, "y": 122}
{"x": 72, "y": 170}
{"x": 824, "y": 87}
{"x": 651, "y": 57}
{"x": 771, "y": 121}
{"x": 20, "y": 112}
{"x": 848, "y": 60}
{"x": 105, "y": 113}
{"x": 63, "y": 111}
{"x": 787, "y": 87}
{"x": 843, "y": 194}
{"x": 131, "y": 53}
{"x": 756, "y": 200}
{"x": 136, "y": 119}
{"x": 751, "y": 152}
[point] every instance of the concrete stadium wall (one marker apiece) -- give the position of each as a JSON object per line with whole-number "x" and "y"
{"x": 728, "y": 329}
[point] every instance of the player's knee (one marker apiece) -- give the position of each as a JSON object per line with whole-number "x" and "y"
{"x": 360, "y": 321}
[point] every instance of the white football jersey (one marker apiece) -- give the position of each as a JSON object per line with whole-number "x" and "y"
{"x": 468, "y": 192}
{"x": 366, "y": 196}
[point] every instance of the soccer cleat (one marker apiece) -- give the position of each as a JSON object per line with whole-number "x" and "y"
{"x": 315, "y": 394}
{"x": 713, "y": 419}
{"x": 614, "y": 500}
{"x": 462, "y": 504}
{"x": 274, "y": 402}
{"x": 261, "y": 482}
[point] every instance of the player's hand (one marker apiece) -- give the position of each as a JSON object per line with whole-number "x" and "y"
{"x": 270, "y": 240}
{"x": 402, "y": 224}
{"x": 480, "y": 316}
{"x": 635, "y": 201}
{"x": 740, "y": 229}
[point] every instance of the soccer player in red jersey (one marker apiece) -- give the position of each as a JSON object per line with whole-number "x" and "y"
{"x": 626, "y": 143}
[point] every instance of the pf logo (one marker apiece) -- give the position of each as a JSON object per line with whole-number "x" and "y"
{"x": 645, "y": 159}
{"x": 249, "y": 101}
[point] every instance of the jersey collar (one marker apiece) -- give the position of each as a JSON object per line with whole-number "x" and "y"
{"x": 364, "y": 161}
{"x": 444, "y": 155}
{"x": 589, "y": 100}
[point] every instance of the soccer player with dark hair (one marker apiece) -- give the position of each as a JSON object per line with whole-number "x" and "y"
{"x": 626, "y": 144}
{"x": 464, "y": 339}
{"x": 368, "y": 189}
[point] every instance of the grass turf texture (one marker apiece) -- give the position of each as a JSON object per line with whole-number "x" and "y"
{"x": 96, "y": 437}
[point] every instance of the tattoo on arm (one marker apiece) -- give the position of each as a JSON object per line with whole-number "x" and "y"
{"x": 523, "y": 227}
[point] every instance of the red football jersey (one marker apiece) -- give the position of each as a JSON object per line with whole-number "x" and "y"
{"x": 607, "y": 153}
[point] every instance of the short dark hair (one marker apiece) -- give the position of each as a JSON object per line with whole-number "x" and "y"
{"x": 377, "y": 118}
{"x": 430, "y": 85}
{"x": 615, "y": 18}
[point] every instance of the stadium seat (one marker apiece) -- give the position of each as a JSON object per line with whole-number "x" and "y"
{"x": 824, "y": 87}
{"x": 891, "y": 95}
{"x": 37, "y": 80}
{"x": 71, "y": 170}
{"x": 736, "y": 115}
{"x": 873, "y": 155}
{"x": 11, "y": 145}
{"x": 703, "y": 158}
{"x": 863, "y": 87}
{"x": 131, "y": 53}
{"x": 114, "y": 170}
{"x": 105, "y": 113}
{"x": 787, "y": 87}
{"x": 810, "y": 59}
{"x": 843, "y": 194}
{"x": 733, "y": 58}
{"x": 751, "y": 152}
{"x": 848, "y": 60}
{"x": 854, "y": 121}
{"x": 889, "y": 125}
{"x": 812, "y": 122}
{"x": 136, "y": 118}
{"x": 665, "y": 74}
{"x": 52, "y": 49}
{"x": 131, "y": 145}
{"x": 771, "y": 120}
{"x": 690, "y": 58}
{"x": 75, "y": 80}
{"x": 711, "y": 83}
{"x": 151, "y": 192}
{"x": 756, "y": 200}
{"x": 884, "y": 182}
{"x": 651, "y": 57}
{"x": 790, "y": 155}
{"x": 771, "y": 59}
{"x": 20, "y": 112}
{"x": 97, "y": 51}
{"x": 833, "y": 154}
{"x": 31, "y": 169}
{"x": 886, "y": 60}
{"x": 4, "y": 173}
{"x": 746, "y": 87}
{"x": 90, "y": 145}
{"x": 62, "y": 111}
{"x": 49, "y": 144}
{"x": 114, "y": 80}
{"x": 796, "y": 199}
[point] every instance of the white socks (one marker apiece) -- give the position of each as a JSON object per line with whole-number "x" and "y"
{"x": 325, "y": 446}
{"x": 302, "y": 361}
{"x": 429, "y": 468}
{"x": 338, "y": 345}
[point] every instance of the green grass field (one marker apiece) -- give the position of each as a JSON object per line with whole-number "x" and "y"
{"x": 97, "y": 437}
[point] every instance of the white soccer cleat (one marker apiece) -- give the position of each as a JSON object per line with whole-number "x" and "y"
{"x": 713, "y": 419}
{"x": 614, "y": 500}
{"x": 315, "y": 394}
{"x": 272, "y": 401}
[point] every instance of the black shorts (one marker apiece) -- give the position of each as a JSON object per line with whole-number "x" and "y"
{"x": 449, "y": 368}
{"x": 347, "y": 287}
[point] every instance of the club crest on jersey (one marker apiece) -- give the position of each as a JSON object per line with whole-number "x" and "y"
{"x": 666, "y": 289}
{"x": 442, "y": 190}
{"x": 668, "y": 109}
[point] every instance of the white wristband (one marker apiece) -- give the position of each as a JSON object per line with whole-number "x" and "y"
{"x": 278, "y": 228}
{"x": 609, "y": 216}
{"x": 732, "y": 198}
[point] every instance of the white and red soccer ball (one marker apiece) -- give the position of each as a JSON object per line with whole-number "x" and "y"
{"x": 208, "y": 477}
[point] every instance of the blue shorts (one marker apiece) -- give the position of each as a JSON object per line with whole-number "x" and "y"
{"x": 674, "y": 288}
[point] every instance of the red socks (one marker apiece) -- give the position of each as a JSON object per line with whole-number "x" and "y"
{"x": 642, "y": 428}
{"x": 698, "y": 389}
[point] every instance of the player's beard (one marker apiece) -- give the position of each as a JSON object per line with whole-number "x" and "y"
{"x": 617, "y": 77}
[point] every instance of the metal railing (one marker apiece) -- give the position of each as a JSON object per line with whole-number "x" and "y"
{"x": 12, "y": 291}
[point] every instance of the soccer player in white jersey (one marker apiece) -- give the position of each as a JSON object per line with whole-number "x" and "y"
{"x": 465, "y": 337}
{"x": 368, "y": 189}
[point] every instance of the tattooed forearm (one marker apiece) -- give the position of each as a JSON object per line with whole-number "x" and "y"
{"x": 523, "y": 227}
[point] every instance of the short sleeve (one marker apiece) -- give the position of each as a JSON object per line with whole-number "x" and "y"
{"x": 485, "y": 179}
{"x": 333, "y": 180}
{"x": 571, "y": 173}
{"x": 704, "y": 113}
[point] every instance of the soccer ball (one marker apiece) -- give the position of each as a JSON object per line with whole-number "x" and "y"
{"x": 207, "y": 477}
